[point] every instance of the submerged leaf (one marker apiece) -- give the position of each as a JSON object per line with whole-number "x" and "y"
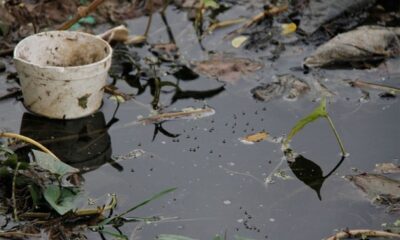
{"x": 287, "y": 85}
{"x": 378, "y": 188}
{"x": 227, "y": 69}
{"x": 49, "y": 163}
{"x": 362, "y": 44}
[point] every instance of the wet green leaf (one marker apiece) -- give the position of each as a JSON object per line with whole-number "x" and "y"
{"x": 35, "y": 194}
{"x": 210, "y": 4}
{"x": 48, "y": 162}
{"x": 173, "y": 237}
{"x": 60, "y": 199}
{"x": 318, "y": 112}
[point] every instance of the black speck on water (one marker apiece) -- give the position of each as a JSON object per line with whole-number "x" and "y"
{"x": 210, "y": 166}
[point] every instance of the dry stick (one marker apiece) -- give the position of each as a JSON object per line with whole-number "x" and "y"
{"x": 14, "y": 200}
{"x": 28, "y": 140}
{"x": 357, "y": 233}
{"x": 146, "y": 32}
{"x": 82, "y": 12}
{"x": 257, "y": 18}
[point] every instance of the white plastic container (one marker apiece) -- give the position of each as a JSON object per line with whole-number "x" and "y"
{"x": 62, "y": 73}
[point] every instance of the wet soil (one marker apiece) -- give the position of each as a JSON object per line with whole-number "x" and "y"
{"x": 221, "y": 182}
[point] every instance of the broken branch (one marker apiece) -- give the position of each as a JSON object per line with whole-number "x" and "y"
{"x": 81, "y": 13}
{"x": 358, "y": 233}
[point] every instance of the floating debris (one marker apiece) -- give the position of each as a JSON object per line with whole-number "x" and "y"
{"x": 227, "y": 69}
{"x": 237, "y": 42}
{"x": 288, "y": 86}
{"x": 352, "y": 47}
{"x": 186, "y": 113}
{"x": 136, "y": 153}
{"x": 387, "y": 168}
{"x": 288, "y": 28}
{"x": 380, "y": 190}
{"x": 375, "y": 86}
{"x": 253, "y": 138}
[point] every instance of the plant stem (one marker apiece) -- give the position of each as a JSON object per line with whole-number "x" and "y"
{"x": 82, "y": 12}
{"x": 146, "y": 32}
{"x": 28, "y": 140}
{"x": 14, "y": 200}
{"x": 336, "y": 135}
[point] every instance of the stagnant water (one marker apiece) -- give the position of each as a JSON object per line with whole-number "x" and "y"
{"x": 221, "y": 182}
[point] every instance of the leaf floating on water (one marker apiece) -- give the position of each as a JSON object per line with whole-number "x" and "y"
{"x": 227, "y": 69}
{"x": 253, "y": 138}
{"x": 288, "y": 28}
{"x": 352, "y": 47}
{"x": 55, "y": 166}
{"x": 186, "y": 113}
{"x": 378, "y": 189}
{"x": 387, "y": 168}
{"x": 60, "y": 199}
{"x": 238, "y": 41}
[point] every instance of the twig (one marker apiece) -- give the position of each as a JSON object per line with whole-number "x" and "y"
{"x": 146, "y": 32}
{"x": 6, "y": 52}
{"x": 257, "y": 18}
{"x": 14, "y": 200}
{"x": 82, "y": 12}
{"x": 357, "y": 233}
{"x": 28, "y": 140}
{"x": 18, "y": 235}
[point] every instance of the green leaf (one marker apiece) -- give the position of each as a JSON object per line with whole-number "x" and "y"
{"x": 48, "y": 162}
{"x": 87, "y": 20}
{"x": 318, "y": 112}
{"x": 35, "y": 194}
{"x": 210, "y": 4}
{"x": 60, "y": 199}
{"x": 172, "y": 237}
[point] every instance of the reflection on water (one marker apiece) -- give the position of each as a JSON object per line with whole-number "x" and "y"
{"x": 83, "y": 143}
{"x": 308, "y": 171}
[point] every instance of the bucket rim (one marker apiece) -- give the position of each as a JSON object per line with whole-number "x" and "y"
{"x": 48, "y": 67}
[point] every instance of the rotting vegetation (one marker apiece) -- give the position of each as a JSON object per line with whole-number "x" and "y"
{"x": 47, "y": 201}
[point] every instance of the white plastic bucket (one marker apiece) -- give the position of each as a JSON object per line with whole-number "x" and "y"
{"x": 62, "y": 73}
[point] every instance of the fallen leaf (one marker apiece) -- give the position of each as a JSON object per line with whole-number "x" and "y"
{"x": 387, "y": 168}
{"x": 49, "y": 163}
{"x": 121, "y": 34}
{"x": 365, "y": 43}
{"x": 186, "y": 113}
{"x": 377, "y": 188}
{"x": 238, "y": 41}
{"x": 253, "y": 138}
{"x": 60, "y": 199}
{"x": 227, "y": 69}
{"x": 288, "y": 28}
